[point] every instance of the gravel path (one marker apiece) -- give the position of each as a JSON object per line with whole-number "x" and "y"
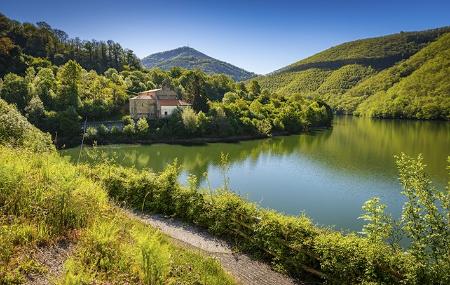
{"x": 245, "y": 270}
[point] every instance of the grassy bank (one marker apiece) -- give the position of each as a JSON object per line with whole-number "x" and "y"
{"x": 291, "y": 244}
{"x": 44, "y": 199}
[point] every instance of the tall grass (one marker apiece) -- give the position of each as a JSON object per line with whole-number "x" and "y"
{"x": 118, "y": 249}
{"x": 291, "y": 244}
{"x": 44, "y": 198}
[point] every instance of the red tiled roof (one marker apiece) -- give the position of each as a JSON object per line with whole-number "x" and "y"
{"x": 172, "y": 102}
{"x": 145, "y": 95}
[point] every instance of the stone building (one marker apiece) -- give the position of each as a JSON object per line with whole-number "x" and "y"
{"x": 155, "y": 104}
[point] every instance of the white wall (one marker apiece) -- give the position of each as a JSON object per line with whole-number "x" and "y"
{"x": 167, "y": 109}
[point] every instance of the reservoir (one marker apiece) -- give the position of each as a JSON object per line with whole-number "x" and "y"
{"x": 325, "y": 174}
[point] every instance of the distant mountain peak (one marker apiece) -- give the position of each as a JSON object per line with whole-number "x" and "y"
{"x": 190, "y": 58}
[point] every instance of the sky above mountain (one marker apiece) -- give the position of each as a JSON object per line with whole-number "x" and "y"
{"x": 259, "y": 36}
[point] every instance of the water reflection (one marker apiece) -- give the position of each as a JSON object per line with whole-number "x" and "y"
{"x": 328, "y": 173}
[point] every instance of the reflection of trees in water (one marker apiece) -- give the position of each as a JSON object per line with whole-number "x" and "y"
{"x": 372, "y": 143}
{"x": 360, "y": 145}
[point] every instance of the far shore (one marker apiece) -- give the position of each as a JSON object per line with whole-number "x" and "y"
{"x": 188, "y": 141}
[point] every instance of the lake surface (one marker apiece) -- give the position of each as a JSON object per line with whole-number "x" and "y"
{"x": 326, "y": 174}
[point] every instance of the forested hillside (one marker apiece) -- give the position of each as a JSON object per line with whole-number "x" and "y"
{"x": 25, "y": 44}
{"x": 416, "y": 88}
{"x": 190, "y": 58}
{"x": 346, "y": 75}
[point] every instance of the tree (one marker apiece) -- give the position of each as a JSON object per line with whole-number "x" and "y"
{"x": 142, "y": 126}
{"x": 193, "y": 83}
{"x": 127, "y": 120}
{"x": 35, "y": 111}
{"x": 424, "y": 220}
{"x": 15, "y": 91}
{"x": 380, "y": 225}
{"x": 69, "y": 77}
{"x": 45, "y": 86}
{"x": 230, "y": 97}
{"x": 102, "y": 130}
{"x": 190, "y": 120}
{"x": 254, "y": 88}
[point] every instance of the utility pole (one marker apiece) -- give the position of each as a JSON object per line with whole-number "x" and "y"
{"x": 82, "y": 140}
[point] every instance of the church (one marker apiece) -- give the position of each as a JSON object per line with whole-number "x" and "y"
{"x": 155, "y": 104}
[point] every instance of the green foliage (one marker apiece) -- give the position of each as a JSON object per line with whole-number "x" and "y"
{"x": 155, "y": 260}
{"x": 118, "y": 249}
{"x": 42, "y": 197}
{"x": 16, "y": 131}
{"x": 380, "y": 51}
{"x": 424, "y": 221}
{"x": 192, "y": 59}
{"x": 397, "y": 76}
{"x": 379, "y": 227}
{"x": 103, "y": 130}
{"x": 127, "y": 120}
{"x": 25, "y": 44}
{"x": 91, "y": 133}
{"x": 15, "y": 90}
{"x": 190, "y": 120}
{"x": 292, "y": 244}
{"x": 416, "y": 88}
{"x": 142, "y": 126}
{"x": 129, "y": 129}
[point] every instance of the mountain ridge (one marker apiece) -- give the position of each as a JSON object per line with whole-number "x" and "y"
{"x": 190, "y": 58}
{"x": 350, "y": 76}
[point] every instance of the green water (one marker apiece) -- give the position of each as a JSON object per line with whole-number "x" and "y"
{"x": 326, "y": 174}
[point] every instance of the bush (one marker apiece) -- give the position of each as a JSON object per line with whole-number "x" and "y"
{"x": 190, "y": 120}
{"x": 155, "y": 260}
{"x": 127, "y": 120}
{"x": 292, "y": 244}
{"x": 142, "y": 127}
{"x": 115, "y": 130}
{"x": 16, "y": 131}
{"x": 91, "y": 133}
{"x": 129, "y": 129}
{"x": 102, "y": 130}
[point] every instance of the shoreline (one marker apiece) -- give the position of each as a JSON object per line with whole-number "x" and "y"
{"x": 190, "y": 141}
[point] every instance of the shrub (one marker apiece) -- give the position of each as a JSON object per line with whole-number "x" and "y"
{"x": 129, "y": 129}
{"x": 103, "y": 130}
{"x": 292, "y": 244}
{"x": 190, "y": 120}
{"x": 115, "y": 130}
{"x": 127, "y": 120}
{"x": 142, "y": 127}
{"x": 16, "y": 131}
{"x": 91, "y": 133}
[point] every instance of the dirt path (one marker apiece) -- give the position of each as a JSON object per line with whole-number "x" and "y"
{"x": 246, "y": 270}
{"x": 52, "y": 257}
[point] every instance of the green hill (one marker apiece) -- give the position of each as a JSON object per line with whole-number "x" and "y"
{"x": 190, "y": 58}
{"x": 424, "y": 93}
{"x": 346, "y": 75}
{"x": 40, "y": 45}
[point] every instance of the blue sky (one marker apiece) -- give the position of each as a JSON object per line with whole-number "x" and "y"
{"x": 259, "y": 36}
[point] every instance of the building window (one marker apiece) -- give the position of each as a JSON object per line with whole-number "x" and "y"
{"x": 165, "y": 113}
